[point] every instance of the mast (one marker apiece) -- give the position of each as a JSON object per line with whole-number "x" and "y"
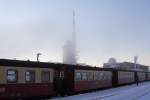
{"x": 69, "y": 49}
{"x": 74, "y": 30}
{"x": 74, "y": 38}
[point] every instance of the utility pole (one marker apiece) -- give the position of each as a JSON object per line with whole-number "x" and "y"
{"x": 37, "y": 56}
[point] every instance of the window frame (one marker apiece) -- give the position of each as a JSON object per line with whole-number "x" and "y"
{"x": 90, "y": 76}
{"x": 16, "y": 76}
{"x": 84, "y": 76}
{"x": 96, "y": 76}
{"x": 42, "y": 79}
{"x": 102, "y": 77}
{"x": 34, "y": 76}
{"x": 77, "y": 78}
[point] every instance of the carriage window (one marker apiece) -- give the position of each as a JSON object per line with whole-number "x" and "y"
{"x": 78, "y": 76}
{"x": 84, "y": 76}
{"x": 30, "y": 76}
{"x": 45, "y": 76}
{"x": 88, "y": 76}
{"x": 11, "y": 76}
{"x": 109, "y": 76}
{"x": 96, "y": 76}
{"x": 101, "y": 76}
{"x": 91, "y": 76}
{"x": 105, "y": 76}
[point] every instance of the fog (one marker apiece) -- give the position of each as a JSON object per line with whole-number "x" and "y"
{"x": 104, "y": 29}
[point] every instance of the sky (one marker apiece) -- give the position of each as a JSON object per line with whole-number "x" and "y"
{"x": 104, "y": 29}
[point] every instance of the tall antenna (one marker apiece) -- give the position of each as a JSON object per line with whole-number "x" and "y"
{"x": 74, "y": 30}
{"x": 69, "y": 49}
{"x": 74, "y": 37}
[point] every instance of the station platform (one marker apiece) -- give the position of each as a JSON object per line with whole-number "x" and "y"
{"x": 128, "y": 92}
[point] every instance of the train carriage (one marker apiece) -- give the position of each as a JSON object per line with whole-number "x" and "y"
{"x": 126, "y": 77}
{"x": 70, "y": 79}
{"x": 148, "y": 76}
{"x": 19, "y": 79}
{"x": 27, "y": 79}
{"x": 141, "y": 76}
{"x": 91, "y": 78}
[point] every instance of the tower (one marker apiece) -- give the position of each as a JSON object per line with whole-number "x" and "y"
{"x": 69, "y": 49}
{"x": 74, "y": 30}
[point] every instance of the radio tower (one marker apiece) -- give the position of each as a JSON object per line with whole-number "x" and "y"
{"x": 74, "y": 37}
{"x": 69, "y": 49}
{"x": 74, "y": 30}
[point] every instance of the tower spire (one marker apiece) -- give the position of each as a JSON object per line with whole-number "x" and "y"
{"x": 74, "y": 42}
{"x": 69, "y": 49}
{"x": 74, "y": 30}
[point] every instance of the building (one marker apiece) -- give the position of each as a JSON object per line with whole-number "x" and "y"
{"x": 127, "y": 66}
{"x": 131, "y": 66}
{"x": 112, "y": 63}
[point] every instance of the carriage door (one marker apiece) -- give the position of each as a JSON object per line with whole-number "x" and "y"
{"x": 59, "y": 81}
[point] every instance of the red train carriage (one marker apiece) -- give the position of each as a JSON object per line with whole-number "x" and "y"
{"x": 141, "y": 76}
{"x": 22, "y": 79}
{"x": 126, "y": 77}
{"x": 26, "y": 79}
{"x": 91, "y": 79}
{"x": 73, "y": 79}
{"x": 76, "y": 79}
{"x": 148, "y": 76}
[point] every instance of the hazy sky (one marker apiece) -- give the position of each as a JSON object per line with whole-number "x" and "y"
{"x": 105, "y": 28}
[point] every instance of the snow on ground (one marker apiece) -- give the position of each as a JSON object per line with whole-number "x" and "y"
{"x": 129, "y": 92}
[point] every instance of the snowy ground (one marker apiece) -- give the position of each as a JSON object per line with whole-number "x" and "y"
{"x": 130, "y": 92}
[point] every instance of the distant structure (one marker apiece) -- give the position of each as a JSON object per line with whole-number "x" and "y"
{"x": 37, "y": 56}
{"x": 131, "y": 66}
{"x": 112, "y": 63}
{"x": 69, "y": 49}
{"x": 135, "y": 61}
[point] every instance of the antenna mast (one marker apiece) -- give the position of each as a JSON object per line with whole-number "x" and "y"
{"x": 74, "y": 38}
{"x": 74, "y": 30}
